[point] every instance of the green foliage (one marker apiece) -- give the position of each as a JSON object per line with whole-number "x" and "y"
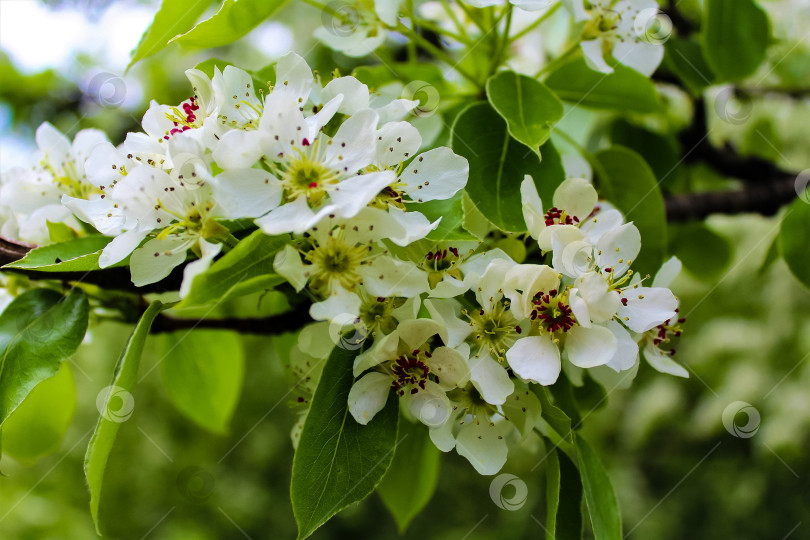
{"x": 411, "y": 479}
{"x": 36, "y": 428}
{"x": 498, "y": 164}
{"x": 568, "y": 519}
{"x": 528, "y": 106}
{"x": 77, "y": 255}
{"x": 233, "y": 20}
{"x": 626, "y": 180}
{"x": 685, "y": 58}
{"x": 736, "y": 37}
{"x": 599, "y": 497}
{"x": 794, "y": 238}
{"x": 338, "y": 461}
{"x": 202, "y": 372}
{"x": 245, "y": 269}
{"x": 114, "y": 409}
{"x": 625, "y": 89}
{"x": 174, "y": 17}
{"x": 38, "y": 330}
{"x": 703, "y": 252}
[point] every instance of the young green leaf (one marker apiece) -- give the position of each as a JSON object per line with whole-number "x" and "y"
{"x": 411, "y": 480}
{"x": 703, "y": 252}
{"x": 603, "y": 507}
{"x": 794, "y": 238}
{"x": 173, "y": 18}
{"x": 625, "y": 89}
{"x": 735, "y": 37}
{"x": 202, "y": 372}
{"x": 38, "y": 330}
{"x": 338, "y": 462}
{"x": 101, "y": 443}
{"x": 232, "y": 21}
{"x": 630, "y": 184}
{"x": 498, "y": 164}
{"x": 77, "y": 255}
{"x": 686, "y": 59}
{"x": 528, "y": 106}
{"x": 36, "y": 428}
{"x": 568, "y": 523}
{"x": 245, "y": 269}
{"x": 556, "y": 418}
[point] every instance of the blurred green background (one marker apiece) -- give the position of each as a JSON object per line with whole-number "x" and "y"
{"x": 679, "y": 473}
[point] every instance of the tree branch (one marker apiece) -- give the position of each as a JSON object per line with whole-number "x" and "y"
{"x": 766, "y": 199}
{"x": 267, "y": 326}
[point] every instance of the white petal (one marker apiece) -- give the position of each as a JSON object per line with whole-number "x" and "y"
{"x": 626, "y": 355}
{"x": 535, "y": 359}
{"x": 450, "y": 367}
{"x": 442, "y": 436}
{"x": 532, "y": 207}
{"x": 355, "y": 94}
{"x": 156, "y": 259}
{"x": 663, "y": 362}
{"x": 195, "y": 268}
{"x": 491, "y": 379}
{"x": 368, "y": 396}
{"x": 238, "y": 149}
{"x": 354, "y": 194}
{"x": 387, "y": 11}
{"x": 483, "y": 445}
{"x": 396, "y": 143}
{"x": 523, "y": 409}
{"x": 647, "y": 307}
{"x": 621, "y": 244}
{"x": 576, "y": 196}
{"x": 603, "y": 222}
{"x": 454, "y": 330}
{"x": 121, "y": 246}
{"x": 430, "y": 406}
{"x": 53, "y": 144}
{"x": 417, "y": 331}
{"x": 246, "y": 193}
{"x": 408, "y": 227}
{"x": 353, "y": 146}
{"x": 293, "y": 76}
{"x": 642, "y": 56}
{"x": 288, "y": 265}
{"x": 602, "y": 302}
{"x": 339, "y": 303}
{"x": 295, "y": 217}
{"x": 593, "y": 50}
{"x": 590, "y": 347}
{"x": 435, "y": 175}
{"x": 386, "y": 277}
{"x": 668, "y": 272}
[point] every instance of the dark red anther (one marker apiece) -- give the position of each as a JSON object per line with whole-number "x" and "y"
{"x": 518, "y": 330}
{"x": 681, "y": 321}
{"x": 305, "y": 142}
{"x": 429, "y": 256}
{"x": 624, "y": 301}
{"x": 313, "y": 185}
{"x": 380, "y": 299}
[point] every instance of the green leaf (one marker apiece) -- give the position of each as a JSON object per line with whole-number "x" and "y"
{"x": 246, "y": 269}
{"x": 556, "y": 417}
{"x": 794, "y": 238}
{"x": 552, "y": 493}
{"x": 36, "y": 428}
{"x": 685, "y": 58}
{"x": 338, "y": 461}
{"x": 77, "y": 255}
{"x": 430, "y": 74}
{"x": 703, "y": 252}
{"x": 202, "y": 372}
{"x": 599, "y": 497}
{"x": 563, "y": 393}
{"x": 498, "y": 164}
{"x": 233, "y": 20}
{"x": 528, "y": 106}
{"x": 735, "y": 39}
{"x": 452, "y": 213}
{"x": 411, "y": 480}
{"x": 173, "y": 18}
{"x": 118, "y": 397}
{"x": 38, "y": 330}
{"x": 625, "y": 89}
{"x": 630, "y": 184}
{"x": 59, "y": 232}
{"x": 569, "y": 510}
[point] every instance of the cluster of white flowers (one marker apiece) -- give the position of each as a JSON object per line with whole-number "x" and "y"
{"x": 458, "y": 330}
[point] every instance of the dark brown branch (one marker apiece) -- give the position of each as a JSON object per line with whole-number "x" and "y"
{"x": 766, "y": 199}
{"x": 268, "y": 326}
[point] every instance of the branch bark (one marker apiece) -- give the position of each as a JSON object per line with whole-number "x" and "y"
{"x": 267, "y": 326}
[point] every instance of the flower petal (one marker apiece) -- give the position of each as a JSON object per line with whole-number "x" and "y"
{"x": 647, "y": 307}
{"x": 435, "y": 175}
{"x": 535, "y": 359}
{"x": 482, "y": 443}
{"x": 490, "y": 379}
{"x": 368, "y": 396}
{"x": 590, "y": 347}
{"x": 576, "y": 196}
